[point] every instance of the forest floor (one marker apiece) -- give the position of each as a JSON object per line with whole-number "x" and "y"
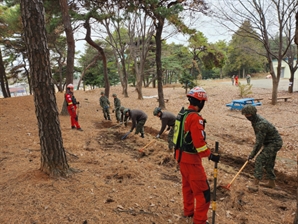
{"x": 118, "y": 183}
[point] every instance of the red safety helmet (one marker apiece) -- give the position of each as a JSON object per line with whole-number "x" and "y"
{"x": 198, "y": 93}
{"x": 70, "y": 86}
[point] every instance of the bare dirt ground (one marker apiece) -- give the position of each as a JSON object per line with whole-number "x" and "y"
{"x": 119, "y": 184}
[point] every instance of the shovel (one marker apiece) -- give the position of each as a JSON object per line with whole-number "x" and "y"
{"x": 142, "y": 149}
{"x": 229, "y": 185}
{"x": 114, "y": 126}
{"x": 214, "y": 188}
{"x": 125, "y": 136}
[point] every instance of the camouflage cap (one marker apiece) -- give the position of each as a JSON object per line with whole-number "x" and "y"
{"x": 114, "y": 95}
{"x": 249, "y": 109}
{"x": 156, "y": 111}
{"x": 101, "y": 93}
{"x": 126, "y": 110}
{"x": 122, "y": 109}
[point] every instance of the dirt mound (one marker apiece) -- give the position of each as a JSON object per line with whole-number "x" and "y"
{"x": 118, "y": 181}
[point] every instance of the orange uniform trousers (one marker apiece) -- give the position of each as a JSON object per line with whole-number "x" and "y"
{"x": 196, "y": 192}
{"x": 73, "y": 116}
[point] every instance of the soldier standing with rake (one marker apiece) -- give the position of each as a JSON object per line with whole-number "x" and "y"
{"x": 117, "y": 105}
{"x": 105, "y": 104}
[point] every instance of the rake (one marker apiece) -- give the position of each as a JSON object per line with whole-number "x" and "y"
{"x": 229, "y": 185}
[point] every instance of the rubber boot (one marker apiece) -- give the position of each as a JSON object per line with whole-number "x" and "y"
{"x": 142, "y": 135}
{"x": 105, "y": 117}
{"x": 109, "y": 117}
{"x": 270, "y": 184}
{"x": 254, "y": 187}
{"x": 206, "y": 222}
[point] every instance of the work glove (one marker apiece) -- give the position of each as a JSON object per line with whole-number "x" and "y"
{"x": 78, "y": 102}
{"x": 250, "y": 157}
{"x": 157, "y": 136}
{"x": 214, "y": 157}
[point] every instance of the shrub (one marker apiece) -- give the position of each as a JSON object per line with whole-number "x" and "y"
{"x": 244, "y": 89}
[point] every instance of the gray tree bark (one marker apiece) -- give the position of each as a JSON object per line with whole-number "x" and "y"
{"x": 101, "y": 52}
{"x": 3, "y": 80}
{"x": 53, "y": 158}
{"x": 70, "y": 47}
{"x": 296, "y": 41}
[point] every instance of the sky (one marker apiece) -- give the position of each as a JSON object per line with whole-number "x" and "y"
{"x": 212, "y": 31}
{"x": 208, "y": 26}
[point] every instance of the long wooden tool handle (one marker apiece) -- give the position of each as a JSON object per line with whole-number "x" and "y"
{"x": 239, "y": 172}
{"x": 142, "y": 149}
{"x": 214, "y": 188}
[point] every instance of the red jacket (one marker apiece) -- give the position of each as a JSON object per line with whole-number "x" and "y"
{"x": 195, "y": 124}
{"x": 68, "y": 98}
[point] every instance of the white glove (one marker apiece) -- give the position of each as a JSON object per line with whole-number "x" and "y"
{"x": 157, "y": 136}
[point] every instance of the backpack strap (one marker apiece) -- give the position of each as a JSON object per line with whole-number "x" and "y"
{"x": 179, "y": 131}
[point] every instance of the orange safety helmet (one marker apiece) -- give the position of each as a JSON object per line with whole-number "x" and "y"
{"x": 198, "y": 93}
{"x": 70, "y": 86}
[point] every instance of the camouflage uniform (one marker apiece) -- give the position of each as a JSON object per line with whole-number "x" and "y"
{"x": 267, "y": 137}
{"x": 138, "y": 119}
{"x": 105, "y": 104}
{"x": 168, "y": 119}
{"x": 117, "y": 105}
{"x": 122, "y": 113}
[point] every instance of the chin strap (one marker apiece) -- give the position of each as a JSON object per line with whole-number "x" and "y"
{"x": 195, "y": 102}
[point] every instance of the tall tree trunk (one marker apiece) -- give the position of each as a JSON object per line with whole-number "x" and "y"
{"x": 70, "y": 47}
{"x": 296, "y": 33}
{"x": 139, "y": 78}
{"x": 27, "y": 74}
{"x": 296, "y": 216}
{"x": 5, "y": 90}
{"x": 159, "y": 28}
{"x": 275, "y": 81}
{"x": 102, "y": 53}
{"x": 124, "y": 80}
{"x": 53, "y": 158}
{"x": 291, "y": 83}
{"x": 70, "y": 41}
{"x": 60, "y": 61}
{"x": 296, "y": 41}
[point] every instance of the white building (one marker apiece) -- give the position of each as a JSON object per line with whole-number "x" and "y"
{"x": 285, "y": 70}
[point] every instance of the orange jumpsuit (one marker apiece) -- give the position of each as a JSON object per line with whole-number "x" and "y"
{"x": 195, "y": 187}
{"x": 236, "y": 80}
{"x": 71, "y": 107}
